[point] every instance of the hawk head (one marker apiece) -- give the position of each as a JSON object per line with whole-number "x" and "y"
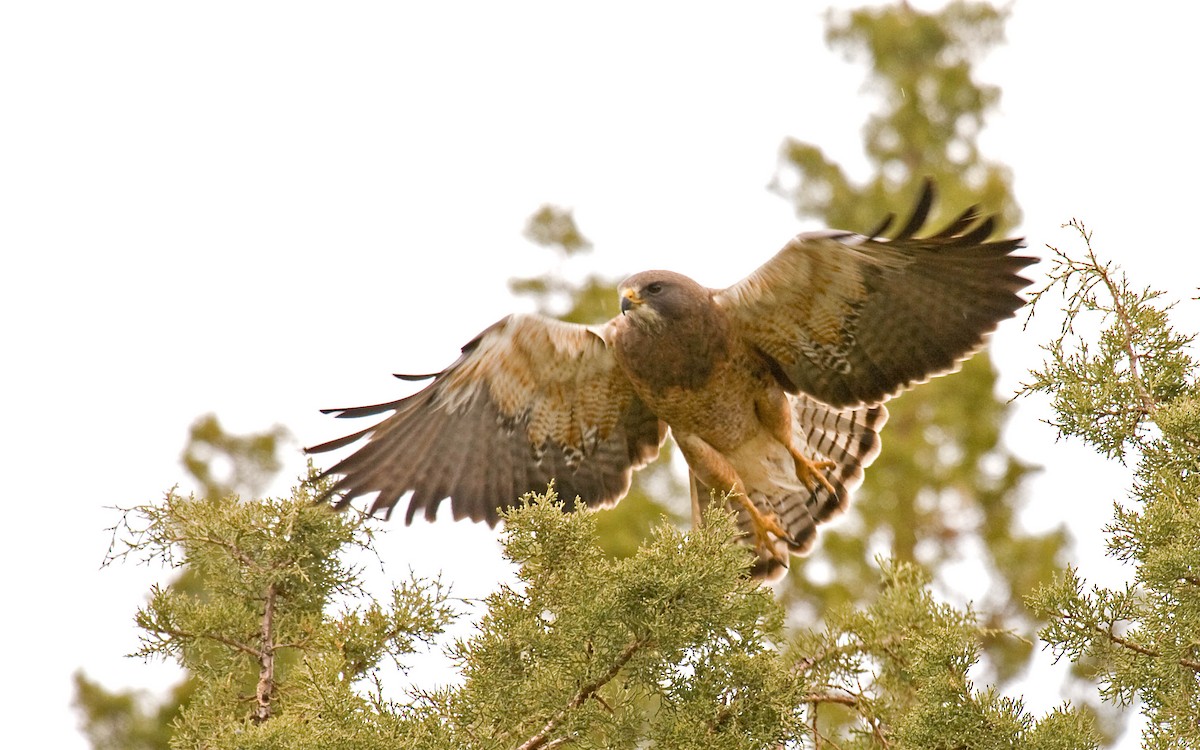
{"x": 653, "y": 300}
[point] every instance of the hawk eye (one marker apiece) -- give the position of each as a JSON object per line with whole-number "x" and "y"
{"x": 654, "y": 288}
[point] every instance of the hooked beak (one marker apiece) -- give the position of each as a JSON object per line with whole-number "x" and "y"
{"x": 629, "y": 298}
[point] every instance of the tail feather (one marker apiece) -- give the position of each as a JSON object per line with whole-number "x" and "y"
{"x": 848, "y": 437}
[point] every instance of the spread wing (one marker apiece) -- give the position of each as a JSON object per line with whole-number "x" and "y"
{"x": 852, "y": 320}
{"x": 530, "y": 400}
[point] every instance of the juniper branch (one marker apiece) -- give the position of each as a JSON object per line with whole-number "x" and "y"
{"x": 215, "y": 637}
{"x": 1122, "y": 314}
{"x": 541, "y": 739}
{"x": 266, "y": 660}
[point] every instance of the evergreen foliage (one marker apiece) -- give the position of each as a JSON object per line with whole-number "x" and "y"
{"x": 672, "y": 647}
{"x": 901, "y": 667}
{"x": 1124, "y": 381}
{"x": 222, "y": 464}
{"x": 281, "y": 631}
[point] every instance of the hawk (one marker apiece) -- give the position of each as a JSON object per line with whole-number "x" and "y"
{"x": 772, "y": 388}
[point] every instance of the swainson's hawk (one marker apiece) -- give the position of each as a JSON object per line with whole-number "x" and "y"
{"x": 772, "y": 388}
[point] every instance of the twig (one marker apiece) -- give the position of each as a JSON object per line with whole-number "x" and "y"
{"x": 1137, "y": 648}
{"x": 803, "y": 665}
{"x": 845, "y": 699}
{"x": 232, "y": 548}
{"x": 1143, "y": 650}
{"x": 237, "y": 645}
{"x": 1122, "y": 313}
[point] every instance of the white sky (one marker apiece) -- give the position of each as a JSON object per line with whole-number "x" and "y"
{"x": 261, "y": 209}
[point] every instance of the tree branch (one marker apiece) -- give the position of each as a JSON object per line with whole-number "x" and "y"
{"x": 1148, "y": 404}
{"x": 808, "y": 662}
{"x": 266, "y": 660}
{"x": 1127, "y": 644}
{"x": 232, "y": 548}
{"x": 184, "y": 634}
{"x": 845, "y": 699}
{"x": 541, "y": 741}
{"x": 1143, "y": 650}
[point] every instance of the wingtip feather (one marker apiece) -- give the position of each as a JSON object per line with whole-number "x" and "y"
{"x": 920, "y": 211}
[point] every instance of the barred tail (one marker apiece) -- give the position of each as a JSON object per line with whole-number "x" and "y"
{"x": 848, "y": 437}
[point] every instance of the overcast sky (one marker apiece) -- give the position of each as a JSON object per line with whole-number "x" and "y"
{"x": 262, "y": 209}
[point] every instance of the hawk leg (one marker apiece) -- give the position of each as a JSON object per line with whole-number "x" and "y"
{"x": 774, "y": 411}
{"x": 714, "y": 470}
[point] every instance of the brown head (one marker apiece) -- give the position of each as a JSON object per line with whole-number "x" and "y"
{"x": 670, "y": 331}
{"x": 657, "y": 300}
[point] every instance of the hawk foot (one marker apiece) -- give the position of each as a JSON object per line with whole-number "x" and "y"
{"x": 811, "y": 472}
{"x": 763, "y": 525}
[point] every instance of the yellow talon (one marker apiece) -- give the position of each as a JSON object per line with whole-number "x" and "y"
{"x": 809, "y": 471}
{"x": 764, "y": 524}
